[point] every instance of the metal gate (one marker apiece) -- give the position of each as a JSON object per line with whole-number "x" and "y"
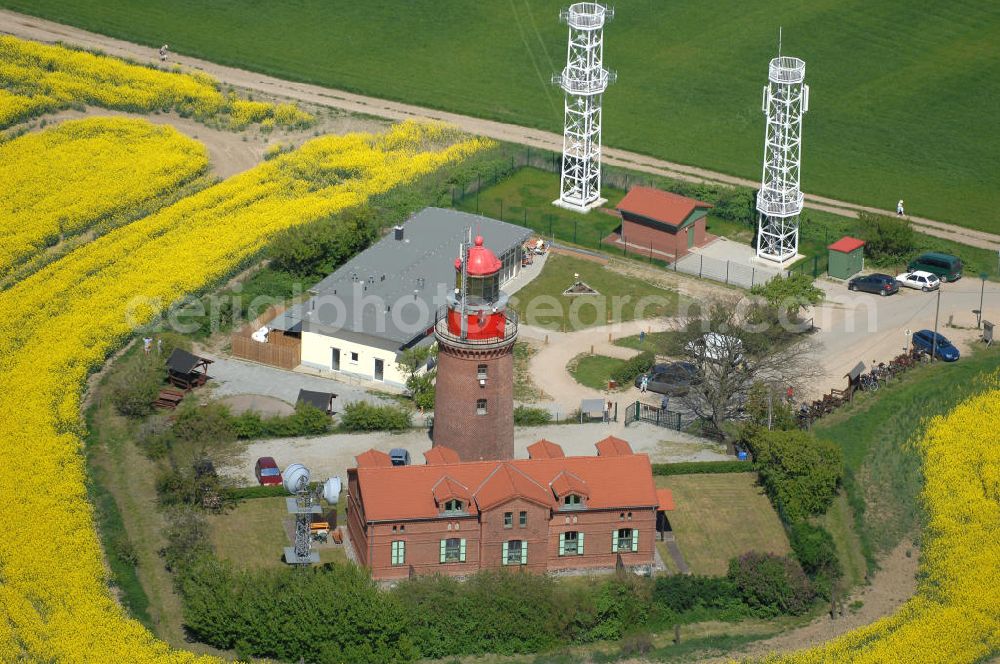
{"x": 644, "y": 412}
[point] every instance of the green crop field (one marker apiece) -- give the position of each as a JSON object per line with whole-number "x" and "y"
{"x": 903, "y": 105}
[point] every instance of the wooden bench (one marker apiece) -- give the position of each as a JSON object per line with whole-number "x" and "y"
{"x": 168, "y": 398}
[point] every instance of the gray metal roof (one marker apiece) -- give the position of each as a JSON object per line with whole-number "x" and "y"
{"x": 386, "y": 296}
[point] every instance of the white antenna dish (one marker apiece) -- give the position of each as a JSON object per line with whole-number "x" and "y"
{"x": 296, "y": 478}
{"x": 331, "y": 490}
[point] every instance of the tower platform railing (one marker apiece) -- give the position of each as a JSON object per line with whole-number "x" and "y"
{"x": 597, "y": 83}
{"x": 444, "y": 333}
{"x": 784, "y": 207}
{"x": 786, "y": 69}
{"x": 586, "y": 15}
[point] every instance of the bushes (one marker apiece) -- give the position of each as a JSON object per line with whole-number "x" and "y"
{"x": 363, "y": 416}
{"x": 337, "y": 612}
{"x": 814, "y": 548}
{"x": 639, "y": 364}
{"x": 699, "y": 467}
{"x": 887, "y": 240}
{"x": 800, "y": 472}
{"x": 315, "y": 250}
{"x": 681, "y": 594}
{"x": 135, "y": 385}
{"x": 528, "y": 416}
{"x": 307, "y": 420}
{"x": 770, "y": 585}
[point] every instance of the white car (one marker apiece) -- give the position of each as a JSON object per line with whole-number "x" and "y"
{"x": 925, "y": 281}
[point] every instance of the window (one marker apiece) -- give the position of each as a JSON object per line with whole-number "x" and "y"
{"x": 522, "y": 519}
{"x": 398, "y": 553}
{"x": 571, "y": 543}
{"x": 453, "y": 550}
{"x": 508, "y": 519}
{"x": 354, "y": 358}
{"x": 480, "y": 406}
{"x": 481, "y": 372}
{"x": 453, "y": 506}
{"x": 624, "y": 540}
{"x": 572, "y": 501}
{"x": 515, "y": 552}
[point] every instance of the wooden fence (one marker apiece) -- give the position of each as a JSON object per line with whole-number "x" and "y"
{"x": 283, "y": 349}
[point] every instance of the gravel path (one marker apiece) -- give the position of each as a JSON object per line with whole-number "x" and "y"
{"x": 29, "y": 27}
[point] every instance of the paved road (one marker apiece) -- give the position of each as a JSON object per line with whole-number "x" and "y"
{"x": 38, "y": 29}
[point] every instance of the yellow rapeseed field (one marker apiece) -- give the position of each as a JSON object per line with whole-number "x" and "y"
{"x": 72, "y": 176}
{"x": 60, "y": 323}
{"x": 955, "y": 615}
{"x": 37, "y": 78}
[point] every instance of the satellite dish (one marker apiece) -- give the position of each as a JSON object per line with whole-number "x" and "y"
{"x": 331, "y": 490}
{"x": 296, "y": 478}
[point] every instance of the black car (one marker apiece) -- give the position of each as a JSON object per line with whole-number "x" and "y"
{"x": 883, "y": 284}
{"x": 673, "y": 378}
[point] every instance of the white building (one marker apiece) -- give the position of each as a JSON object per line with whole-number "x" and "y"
{"x": 385, "y": 299}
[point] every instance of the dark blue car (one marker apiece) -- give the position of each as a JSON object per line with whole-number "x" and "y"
{"x": 924, "y": 340}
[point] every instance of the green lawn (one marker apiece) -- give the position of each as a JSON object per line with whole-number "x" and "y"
{"x": 902, "y": 92}
{"x": 525, "y": 198}
{"x": 655, "y": 342}
{"x": 541, "y": 302}
{"x": 252, "y": 535}
{"x": 719, "y": 517}
{"x": 882, "y": 470}
{"x": 594, "y": 370}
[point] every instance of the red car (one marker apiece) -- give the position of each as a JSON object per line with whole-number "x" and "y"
{"x": 267, "y": 471}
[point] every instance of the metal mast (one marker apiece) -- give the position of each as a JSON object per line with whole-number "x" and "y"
{"x": 583, "y": 80}
{"x": 779, "y": 200}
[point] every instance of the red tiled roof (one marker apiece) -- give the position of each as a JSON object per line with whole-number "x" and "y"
{"x": 482, "y": 261}
{"x": 406, "y": 492}
{"x": 847, "y": 244}
{"x": 661, "y": 206}
{"x": 373, "y": 459}
{"x": 665, "y": 500}
{"x": 612, "y": 446}
{"x": 446, "y": 489}
{"x": 567, "y": 482}
{"x": 439, "y": 454}
{"x": 545, "y": 449}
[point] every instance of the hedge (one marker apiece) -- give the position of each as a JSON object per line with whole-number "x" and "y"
{"x": 702, "y": 467}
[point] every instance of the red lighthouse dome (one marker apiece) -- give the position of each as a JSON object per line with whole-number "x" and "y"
{"x": 482, "y": 261}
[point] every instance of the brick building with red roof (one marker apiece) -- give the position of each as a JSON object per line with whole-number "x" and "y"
{"x": 546, "y": 513}
{"x": 660, "y": 224}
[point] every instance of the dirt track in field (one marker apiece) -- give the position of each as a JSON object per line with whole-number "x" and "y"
{"x": 29, "y": 27}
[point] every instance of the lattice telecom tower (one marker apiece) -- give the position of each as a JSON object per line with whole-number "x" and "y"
{"x": 583, "y": 80}
{"x": 779, "y": 201}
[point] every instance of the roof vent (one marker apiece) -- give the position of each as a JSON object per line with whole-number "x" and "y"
{"x": 398, "y": 232}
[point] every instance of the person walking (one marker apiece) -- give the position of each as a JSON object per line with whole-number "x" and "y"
{"x": 163, "y": 52}
{"x": 664, "y": 403}
{"x": 147, "y": 344}
{"x": 643, "y": 384}
{"x": 899, "y": 208}
{"x": 159, "y": 346}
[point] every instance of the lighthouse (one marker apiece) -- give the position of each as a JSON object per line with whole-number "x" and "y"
{"x": 475, "y": 331}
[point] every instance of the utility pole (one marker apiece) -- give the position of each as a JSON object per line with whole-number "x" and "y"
{"x": 937, "y": 312}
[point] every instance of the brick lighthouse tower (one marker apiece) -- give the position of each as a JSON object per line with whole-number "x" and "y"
{"x": 474, "y": 392}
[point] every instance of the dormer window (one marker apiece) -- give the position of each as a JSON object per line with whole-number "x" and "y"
{"x": 572, "y": 501}
{"x": 454, "y": 507}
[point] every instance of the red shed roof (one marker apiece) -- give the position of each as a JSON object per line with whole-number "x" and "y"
{"x": 662, "y": 206}
{"x": 440, "y": 454}
{"x": 408, "y": 492}
{"x": 612, "y": 446}
{"x": 665, "y": 500}
{"x": 482, "y": 261}
{"x": 373, "y": 459}
{"x": 847, "y": 244}
{"x": 545, "y": 449}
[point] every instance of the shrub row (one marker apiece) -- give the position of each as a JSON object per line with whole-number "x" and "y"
{"x": 529, "y": 416}
{"x": 363, "y": 416}
{"x": 702, "y": 467}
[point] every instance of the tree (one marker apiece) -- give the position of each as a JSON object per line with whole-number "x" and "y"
{"x": 887, "y": 239}
{"x": 770, "y": 585}
{"x": 135, "y": 385}
{"x": 319, "y": 248}
{"x": 733, "y": 350}
{"x": 420, "y": 383}
{"x": 788, "y": 296}
{"x": 801, "y": 473}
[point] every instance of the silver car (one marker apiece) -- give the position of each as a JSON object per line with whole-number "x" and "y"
{"x": 924, "y": 281}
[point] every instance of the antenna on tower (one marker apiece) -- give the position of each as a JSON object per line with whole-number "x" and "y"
{"x": 302, "y": 505}
{"x": 466, "y": 243}
{"x": 584, "y": 80}
{"x": 780, "y": 199}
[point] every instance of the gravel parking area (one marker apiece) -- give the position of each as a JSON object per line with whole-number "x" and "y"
{"x": 333, "y": 454}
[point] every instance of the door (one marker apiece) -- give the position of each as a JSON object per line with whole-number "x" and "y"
{"x": 379, "y": 369}
{"x": 690, "y": 236}
{"x": 335, "y": 359}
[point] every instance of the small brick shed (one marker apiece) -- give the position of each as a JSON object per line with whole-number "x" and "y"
{"x": 847, "y": 257}
{"x": 660, "y": 224}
